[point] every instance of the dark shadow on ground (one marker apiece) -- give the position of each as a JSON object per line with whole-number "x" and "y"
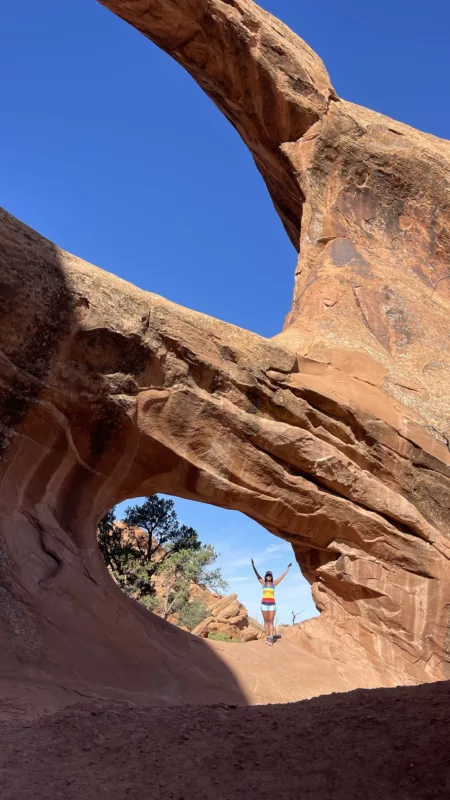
{"x": 379, "y": 744}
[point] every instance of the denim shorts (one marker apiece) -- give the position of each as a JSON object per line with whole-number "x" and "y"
{"x": 266, "y": 607}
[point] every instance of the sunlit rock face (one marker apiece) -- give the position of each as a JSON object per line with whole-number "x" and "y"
{"x": 334, "y": 435}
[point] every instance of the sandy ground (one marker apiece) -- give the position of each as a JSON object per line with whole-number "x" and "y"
{"x": 242, "y": 674}
{"x": 377, "y": 743}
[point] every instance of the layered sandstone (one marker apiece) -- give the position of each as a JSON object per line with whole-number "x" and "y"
{"x": 334, "y": 436}
{"x": 229, "y": 617}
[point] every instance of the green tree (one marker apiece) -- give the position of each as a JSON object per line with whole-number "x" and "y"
{"x": 117, "y": 551}
{"x": 158, "y": 518}
{"x": 191, "y": 614}
{"x": 152, "y": 542}
{"x": 181, "y": 569}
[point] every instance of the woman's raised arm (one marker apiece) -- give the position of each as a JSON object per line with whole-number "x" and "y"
{"x": 278, "y": 580}
{"x": 256, "y": 572}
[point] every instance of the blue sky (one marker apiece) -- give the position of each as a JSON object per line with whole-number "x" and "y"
{"x": 238, "y": 539}
{"x": 111, "y": 150}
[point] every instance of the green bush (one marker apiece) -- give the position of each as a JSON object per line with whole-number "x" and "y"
{"x": 151, "y": 602}
{"x": 191, "y": 614}
{"x": 221, "y": 637}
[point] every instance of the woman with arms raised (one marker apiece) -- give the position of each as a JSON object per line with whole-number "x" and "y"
{"x": 268, "y": 606}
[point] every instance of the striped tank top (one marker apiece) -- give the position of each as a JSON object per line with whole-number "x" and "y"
{"x": 268, "y": 598}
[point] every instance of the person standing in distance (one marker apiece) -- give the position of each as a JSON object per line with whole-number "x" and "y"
{"x": 268, "y": 605}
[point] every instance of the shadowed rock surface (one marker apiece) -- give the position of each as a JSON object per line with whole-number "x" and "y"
{"x": 334, "y": 435}
{"x": 382, "y": 743}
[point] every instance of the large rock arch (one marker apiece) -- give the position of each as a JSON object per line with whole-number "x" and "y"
{"x": 334, "y": 436}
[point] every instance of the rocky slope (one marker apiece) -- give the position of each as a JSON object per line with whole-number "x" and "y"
{"x": 334, "y": 436}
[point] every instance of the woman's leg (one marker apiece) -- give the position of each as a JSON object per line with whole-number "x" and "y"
{"x": 271, "y": 617}
{"x": 266, "y": 615}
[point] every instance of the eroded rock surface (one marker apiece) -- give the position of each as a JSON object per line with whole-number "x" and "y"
{"x": 229, "y": 617}
{"x": 334, "y": 436}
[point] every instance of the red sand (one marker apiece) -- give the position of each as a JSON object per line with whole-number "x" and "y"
{"x": 379, "y": 743}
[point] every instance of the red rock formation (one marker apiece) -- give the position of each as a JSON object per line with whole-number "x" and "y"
{"x": 334, "y": 436}
{"x": 229, "y": 617}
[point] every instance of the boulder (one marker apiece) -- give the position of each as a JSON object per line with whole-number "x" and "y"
{"x": 216, "y": 608}
{"x": 233, "y": 620}
{"x": 225, "y": 630}
{"x": 240, "y": 627}
{"x": 230, "y": 610}
{"x": 202, "y": 628}
{"x": 250, "y": 634}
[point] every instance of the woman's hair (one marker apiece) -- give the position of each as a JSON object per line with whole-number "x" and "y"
{"x": 268, "y": 575}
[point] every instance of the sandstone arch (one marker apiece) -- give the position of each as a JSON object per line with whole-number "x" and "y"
{"x": 334, "y": 436}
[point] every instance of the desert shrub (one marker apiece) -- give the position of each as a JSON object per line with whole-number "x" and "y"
{"x": 150, "y": 601}
{"x": 221, "y": 637}
{"x": 191, "y": 614}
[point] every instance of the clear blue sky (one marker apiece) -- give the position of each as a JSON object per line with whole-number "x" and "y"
{"x": 110, "y": 149}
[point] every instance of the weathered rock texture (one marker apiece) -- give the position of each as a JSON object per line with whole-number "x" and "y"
{"x": 334, "y": 436}
{"x": 229, "y": 617}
